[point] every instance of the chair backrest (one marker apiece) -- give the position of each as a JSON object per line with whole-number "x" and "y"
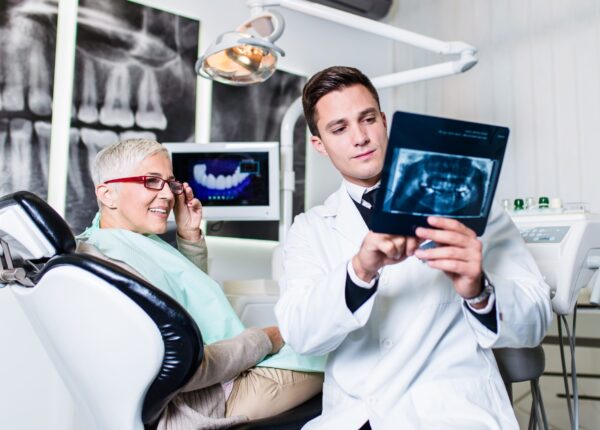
{"x": 122, "y": 346}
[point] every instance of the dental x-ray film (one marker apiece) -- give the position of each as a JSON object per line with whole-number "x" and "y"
{"x": 438, "y": 166}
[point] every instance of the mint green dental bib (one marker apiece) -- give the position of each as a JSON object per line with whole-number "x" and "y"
{"x": 170, "y": 271}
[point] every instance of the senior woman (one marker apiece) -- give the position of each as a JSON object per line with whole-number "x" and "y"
{"x": 136, "y": 191}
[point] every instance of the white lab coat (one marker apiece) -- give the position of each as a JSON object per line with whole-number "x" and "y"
{"x": 412, "y": 356}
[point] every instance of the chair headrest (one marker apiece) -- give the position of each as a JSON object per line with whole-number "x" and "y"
{"x": 32, "y": 228}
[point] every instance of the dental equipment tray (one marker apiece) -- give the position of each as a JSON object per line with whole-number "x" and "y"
{"x": 438, "y": 166}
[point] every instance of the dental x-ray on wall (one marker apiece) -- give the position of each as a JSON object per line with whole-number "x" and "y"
{"x": 438, "y": 166}
{"x": 134, "y": 77}
{"x": 28, "y": 34}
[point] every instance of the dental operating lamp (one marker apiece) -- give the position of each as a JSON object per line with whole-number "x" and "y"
{"x": 249, "y": 55}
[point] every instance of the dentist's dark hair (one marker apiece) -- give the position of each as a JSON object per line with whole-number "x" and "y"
{"x": 334, "y": 78}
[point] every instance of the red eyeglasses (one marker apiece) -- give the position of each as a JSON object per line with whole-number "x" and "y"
{"x": 152, "y": 183}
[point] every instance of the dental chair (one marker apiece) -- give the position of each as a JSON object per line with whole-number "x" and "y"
{"x": 122, "y": 346}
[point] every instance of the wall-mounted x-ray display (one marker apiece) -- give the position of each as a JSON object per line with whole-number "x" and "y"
{"x": 438, "y": 166}
{"x": 28, "y": 34}
{"x": 134, "y": 77}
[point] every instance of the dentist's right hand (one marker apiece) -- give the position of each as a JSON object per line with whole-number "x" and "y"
{"x": 380, "y": 249}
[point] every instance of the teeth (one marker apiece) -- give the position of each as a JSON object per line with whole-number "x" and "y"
{"x": 219, "y": 183}
{"x": 12, "y": 94}
{"x": 116, "y": 110}
{"x": 43, "y": 131}
{"x": 88, "y": 110}
{"x": 199, "y": 172}
{"x": 211, "y": 182}
{"x": 5, "y": 183}
{"x": 20, "y": 153}
{"x": 39, "y": 99}
{"x": 162, "y": 211}
{"x": 150, "y": 113}
{"x": 75, "y": 176}
{"x": 95, "y": 140}
{"x": 98, "y": 138}
{"x": 137, "y": 134}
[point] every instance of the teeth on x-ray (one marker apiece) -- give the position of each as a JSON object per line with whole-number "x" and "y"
{"x": 88, "y": 110}
{"x": 75, "y": 176}
{"x": 440, "y": 184}
{"x": 12, "y": 94}
{"x": 20, "y": 151}
{"x": 221, "y": 182}
{"x": 116, "y": 110}
{"x": 96, "y": 140}
{"x": 137, "y": 134}
{"x": 5, "y": 184}
{"x": 150, "y": 113}
{"x": 43, "y": 131}
{"x": 1, "y": 74}
{"x": 39, "y": 99}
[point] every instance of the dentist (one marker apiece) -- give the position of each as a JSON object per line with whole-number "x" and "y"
{"x": 409, "y": 331}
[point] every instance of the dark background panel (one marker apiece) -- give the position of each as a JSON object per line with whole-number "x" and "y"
{"x": 254, "y": 114}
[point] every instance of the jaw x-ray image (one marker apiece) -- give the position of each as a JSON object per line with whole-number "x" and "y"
{"x": 430, "y": 183}
{"x": 438, "y": 166}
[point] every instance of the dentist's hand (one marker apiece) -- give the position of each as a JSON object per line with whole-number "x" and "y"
{"x": 188, "y": 214}
{"x": 458, "y": 254}
{"x": 378, "y": 250}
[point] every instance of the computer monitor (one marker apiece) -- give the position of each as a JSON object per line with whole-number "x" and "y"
{"x": 234, "y": 181}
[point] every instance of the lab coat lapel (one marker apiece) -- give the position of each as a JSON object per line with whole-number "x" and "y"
{"x": 348, "y": 222}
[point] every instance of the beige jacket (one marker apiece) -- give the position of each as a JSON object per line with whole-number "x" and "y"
{"x": 201, "y": 402}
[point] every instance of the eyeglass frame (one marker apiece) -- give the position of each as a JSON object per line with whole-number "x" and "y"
{"x": 142, "y": 180}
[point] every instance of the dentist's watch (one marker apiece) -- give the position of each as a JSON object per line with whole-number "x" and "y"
{"x": 486, "y": 292}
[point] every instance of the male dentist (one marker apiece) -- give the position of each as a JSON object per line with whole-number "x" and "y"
{"x": 408, "y": 330}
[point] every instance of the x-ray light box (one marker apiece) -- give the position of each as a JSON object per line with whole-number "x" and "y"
{"x": 234, "y": 181}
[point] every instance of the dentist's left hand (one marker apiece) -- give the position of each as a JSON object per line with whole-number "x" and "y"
{"x": 188, "y": 214}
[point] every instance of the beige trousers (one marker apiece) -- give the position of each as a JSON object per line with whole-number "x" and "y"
{"x": 262, "y": 392}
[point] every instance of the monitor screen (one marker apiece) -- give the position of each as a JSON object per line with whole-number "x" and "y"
{"x": 234, "y": 181}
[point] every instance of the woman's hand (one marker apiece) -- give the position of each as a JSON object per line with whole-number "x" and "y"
{"x": 275, "y": 338}
{"x": 188, "y": 214}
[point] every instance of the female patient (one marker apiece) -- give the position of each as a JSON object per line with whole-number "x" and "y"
{"x": 136, "y": 191}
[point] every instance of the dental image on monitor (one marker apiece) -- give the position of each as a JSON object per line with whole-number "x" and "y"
{"x": 233, "y": 181}
{"x": 226, "y": 179}
{"x": 430, "y": 183}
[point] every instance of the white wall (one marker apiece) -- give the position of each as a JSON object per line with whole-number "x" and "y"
{"x": 539, "y": 74}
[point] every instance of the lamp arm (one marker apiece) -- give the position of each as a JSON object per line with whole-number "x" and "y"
{"x": 294, "y": 111}
{"x": 364, "y": 24}
{"x": 286, "y": 164}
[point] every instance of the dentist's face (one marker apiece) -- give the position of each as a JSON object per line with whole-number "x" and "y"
{"x": 140, "y": 209}
{"x": 353, "y": 134}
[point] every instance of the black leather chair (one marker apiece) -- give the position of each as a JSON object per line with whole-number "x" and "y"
{"x": 122, "y": 346}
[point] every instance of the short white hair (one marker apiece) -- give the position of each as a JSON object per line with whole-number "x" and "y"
{"x": 121, "y": 159}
